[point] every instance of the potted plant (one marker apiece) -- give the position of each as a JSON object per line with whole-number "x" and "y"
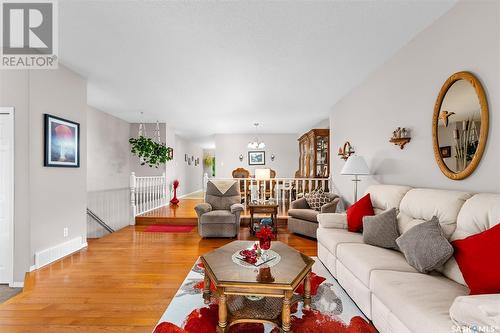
{"x": 150, "y": 153}
{"x": 210, "y": 163}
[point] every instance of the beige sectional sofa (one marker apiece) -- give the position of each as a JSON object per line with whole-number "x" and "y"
{"x": 385, "y": 287}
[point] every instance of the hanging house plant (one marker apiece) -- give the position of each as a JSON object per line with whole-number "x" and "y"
{"x": 150, "y": 152}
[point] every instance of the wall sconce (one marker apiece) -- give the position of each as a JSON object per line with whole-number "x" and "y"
{"x": 400, "y": 137}
{"x": 346, "y": 151}
{"x": 241, "y": 158}
{"x": 272, "y": 157}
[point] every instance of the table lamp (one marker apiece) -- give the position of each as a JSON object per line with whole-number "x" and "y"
{"x": 356, "y": 166}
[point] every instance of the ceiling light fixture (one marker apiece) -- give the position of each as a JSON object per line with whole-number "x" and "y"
{"x": 256, "y": 143}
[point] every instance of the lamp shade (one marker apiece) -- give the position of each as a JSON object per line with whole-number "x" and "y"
{"x": 355, "y": 165}
{"x": 262, "y": 174}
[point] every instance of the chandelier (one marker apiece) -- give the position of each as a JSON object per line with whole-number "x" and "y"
{"x": 256, "y": 143}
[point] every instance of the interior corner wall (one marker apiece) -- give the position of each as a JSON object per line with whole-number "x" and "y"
{"x": 46, "y": 199}
{"x": 190, "y": 176}
{"x": 108, "y": 151}
{"x": 402, "y": 93}
{"x": 228, "y": 148}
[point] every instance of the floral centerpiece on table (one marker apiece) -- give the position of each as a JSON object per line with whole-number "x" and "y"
{"x": 265, "y": 235}
{"x": 258, "y": 250}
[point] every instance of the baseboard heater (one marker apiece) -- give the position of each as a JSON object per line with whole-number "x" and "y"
{"x": 57, "y": 252}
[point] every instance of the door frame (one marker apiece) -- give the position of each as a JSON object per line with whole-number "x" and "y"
{"x": 9, "y": 112}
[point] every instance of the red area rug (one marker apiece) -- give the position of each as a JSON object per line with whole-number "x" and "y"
{"x": 169, "y": 228}
{"x": 332, "y": 311}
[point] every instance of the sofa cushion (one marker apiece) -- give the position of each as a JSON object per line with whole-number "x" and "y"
{"x": 218, "y": 216}
{"x": 425, "y": 246}
{"x": 476, "y": 311}
{"x": 421, "y": 302}
{"x": 362, "y": 259}
{"x": 420, "y": 205}
{"x": 478, "y": 214}
{"x": 477, "y": 257}
{"x": 332, "y": 220}
{"x": 331, "y": 238}
{"x": 363, "y": 207}
{"x": 382, "y": 229}
{"x": 304, "y": 214}
{"x": 386, "y": 196}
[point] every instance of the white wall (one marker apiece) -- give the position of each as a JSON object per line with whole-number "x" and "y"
{"x": 228, "y": 148}
{"x": 403, "y": 92}
{"x": 108, "y": 151}
{"x": 108, "y": 171}
{"x": 46, "y": 199}
{"x": 190, "y": 176}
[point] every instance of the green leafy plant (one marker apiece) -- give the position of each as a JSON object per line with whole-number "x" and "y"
{"x": 149, "y": 152}
{"x": 210, "y": 163}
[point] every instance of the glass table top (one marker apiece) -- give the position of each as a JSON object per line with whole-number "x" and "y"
{"x": 292, "y": 265}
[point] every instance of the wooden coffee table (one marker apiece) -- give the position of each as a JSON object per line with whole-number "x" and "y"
{"x": 261, "y": 294}
{"x": 264, "y": 208}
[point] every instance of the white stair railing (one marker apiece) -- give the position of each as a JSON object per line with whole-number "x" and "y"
{"x": 281, "y": 190}
{"x": 146, "y": 194}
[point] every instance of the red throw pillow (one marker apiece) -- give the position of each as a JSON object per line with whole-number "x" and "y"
{"x": 478, "y": 259}
{"x": 355, "y": 213}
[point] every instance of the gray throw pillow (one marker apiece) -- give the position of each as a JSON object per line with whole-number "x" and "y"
{"x": 382, "y": 229}
{"x": 425, "y": 247}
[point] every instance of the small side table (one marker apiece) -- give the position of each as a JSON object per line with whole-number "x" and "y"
{"x": 271, "y": 209}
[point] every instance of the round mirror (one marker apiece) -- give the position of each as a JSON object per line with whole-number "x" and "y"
{"x": 460, "y": 125}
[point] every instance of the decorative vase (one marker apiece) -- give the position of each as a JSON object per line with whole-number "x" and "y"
{"x": 265, "y": 243}
{"x": 174, "y": 200}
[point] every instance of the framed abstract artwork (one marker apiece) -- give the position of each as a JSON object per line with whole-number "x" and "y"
{"x": 257, "y": 157}
{"x": 62, "y": 142}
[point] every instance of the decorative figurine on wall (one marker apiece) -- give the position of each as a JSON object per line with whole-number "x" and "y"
{"x": 400, "y": 137}
{"x": 346, "y": 151}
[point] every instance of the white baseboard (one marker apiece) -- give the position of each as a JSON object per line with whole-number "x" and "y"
{"x": 187, "y": 194}
{"x": 57, "y": 252}
{"x": 16, "y": 284}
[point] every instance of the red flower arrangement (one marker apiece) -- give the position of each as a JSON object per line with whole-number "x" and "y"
{"x": 249, "y": 255}
{"x": 265, "y": 235}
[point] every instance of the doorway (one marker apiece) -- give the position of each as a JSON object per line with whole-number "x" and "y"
{"x": 6, "y": 194}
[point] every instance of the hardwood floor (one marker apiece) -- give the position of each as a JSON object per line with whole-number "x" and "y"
{"x": 120, "y": 283}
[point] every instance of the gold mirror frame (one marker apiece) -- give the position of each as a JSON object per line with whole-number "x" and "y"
{"x": 485, "y": 125}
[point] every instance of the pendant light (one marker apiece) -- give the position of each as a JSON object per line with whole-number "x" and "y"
{"x": 256, "y": 143}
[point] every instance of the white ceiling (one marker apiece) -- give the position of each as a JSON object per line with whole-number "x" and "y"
{"x": 217, "y": 67}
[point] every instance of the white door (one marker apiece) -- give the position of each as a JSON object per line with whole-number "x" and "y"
{"x": 6, "y": 194}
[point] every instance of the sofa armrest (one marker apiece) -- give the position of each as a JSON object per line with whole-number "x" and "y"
{"x": 299, "y": 204}
{"x": 236, "y": 208}
{"x": 202, "y": 208}
{"x": 330, "y": 207}
{"x": 332, "y": 220}
{"x": 476, "y": 310}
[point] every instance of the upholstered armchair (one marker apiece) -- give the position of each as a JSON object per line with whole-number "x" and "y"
{"x": 219, "y": 215}
{"x": 302, "y": 219}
